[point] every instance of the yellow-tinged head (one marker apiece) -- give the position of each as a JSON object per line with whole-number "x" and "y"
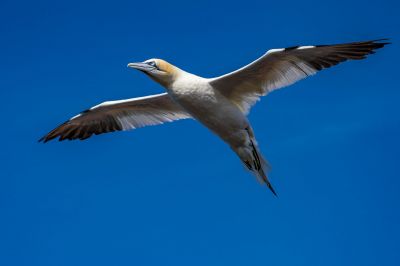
{"x": 159, "y": 70}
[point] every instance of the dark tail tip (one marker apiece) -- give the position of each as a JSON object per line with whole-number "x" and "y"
{"x": 272, "y": 189}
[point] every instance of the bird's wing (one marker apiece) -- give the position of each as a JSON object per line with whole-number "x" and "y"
{"x": 119, "y": 115}
{"x": 282, "y": 67}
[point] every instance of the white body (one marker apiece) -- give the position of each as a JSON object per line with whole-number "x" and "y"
{"x": 221, "y": 104}
{"x": 208, "y": 106}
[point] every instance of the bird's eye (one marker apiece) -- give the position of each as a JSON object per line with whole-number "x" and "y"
{"x": 152, "y": 63}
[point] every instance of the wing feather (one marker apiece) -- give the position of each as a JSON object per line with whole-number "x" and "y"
{"x": 282, "y": 67}
{"x": 119, "y": 115}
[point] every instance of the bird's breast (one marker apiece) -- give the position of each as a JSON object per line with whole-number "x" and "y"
{"x": 210, "y": 108}
{"x": 194, "y": 96}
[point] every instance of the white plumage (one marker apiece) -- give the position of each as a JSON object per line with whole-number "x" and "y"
{"x": 221, "y": 103}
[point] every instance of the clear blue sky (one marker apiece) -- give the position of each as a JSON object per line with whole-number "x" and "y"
{"x": 175, "y": 194}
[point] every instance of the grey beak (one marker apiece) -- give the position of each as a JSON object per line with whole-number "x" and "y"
{"x": 141, "y": 66}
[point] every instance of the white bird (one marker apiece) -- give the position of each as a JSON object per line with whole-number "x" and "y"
{"x": 221, "y": 103}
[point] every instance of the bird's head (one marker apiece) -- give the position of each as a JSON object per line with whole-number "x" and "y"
{"x": 159, "y": 70}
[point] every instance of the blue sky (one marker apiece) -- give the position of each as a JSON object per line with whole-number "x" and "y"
{"x": 175, "y": 194}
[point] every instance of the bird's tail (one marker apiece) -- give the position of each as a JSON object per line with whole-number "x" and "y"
{"x": 255, "y": 162}
{"x": 266, "y": 181}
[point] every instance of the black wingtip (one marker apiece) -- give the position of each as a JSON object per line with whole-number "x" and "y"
{"x": 44, "y": 139}
{"x": 378, "y": 43}
{"x": 381, "y": 42}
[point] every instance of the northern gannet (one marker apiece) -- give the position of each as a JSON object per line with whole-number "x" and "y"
{"x": 221, "y": 103}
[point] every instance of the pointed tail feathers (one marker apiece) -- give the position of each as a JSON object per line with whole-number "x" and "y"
{"x": 255, "y": 163}
{"x": 266, "y": 181}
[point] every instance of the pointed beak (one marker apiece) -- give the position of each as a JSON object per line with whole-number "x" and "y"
{"x": 141, "y": 66}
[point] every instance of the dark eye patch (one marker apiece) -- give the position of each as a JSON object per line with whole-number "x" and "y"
{"x": 152, "y": 63}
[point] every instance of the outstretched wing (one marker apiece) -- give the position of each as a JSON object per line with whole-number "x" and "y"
{"x": 119, "y": 115}
{"x": 282, "y": 67}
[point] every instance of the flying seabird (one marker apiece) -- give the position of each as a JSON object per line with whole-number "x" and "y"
{"x": 221, "y": 104}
